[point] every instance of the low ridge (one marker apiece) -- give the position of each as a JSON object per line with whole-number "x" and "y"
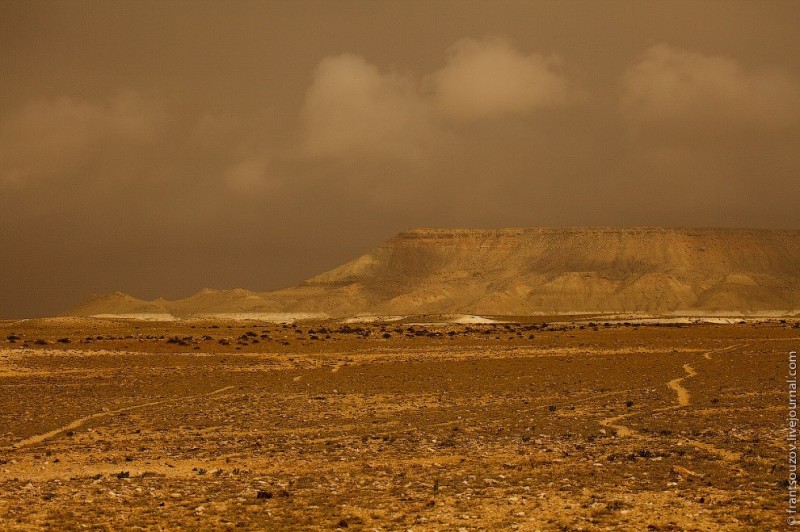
{"x": 529, "y": 271}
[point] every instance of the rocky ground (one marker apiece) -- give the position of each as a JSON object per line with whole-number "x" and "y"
{"x": 112, "y": 424}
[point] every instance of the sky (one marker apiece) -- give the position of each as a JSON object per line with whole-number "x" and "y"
{"x": 157, "y": 148}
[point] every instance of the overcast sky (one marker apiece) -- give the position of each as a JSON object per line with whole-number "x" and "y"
{"x": 161, "y": 147}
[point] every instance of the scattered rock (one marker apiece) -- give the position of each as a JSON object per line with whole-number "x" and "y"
{"x": 682, "y": 471}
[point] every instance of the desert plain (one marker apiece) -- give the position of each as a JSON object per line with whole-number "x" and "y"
{"x": 546, "y": 423}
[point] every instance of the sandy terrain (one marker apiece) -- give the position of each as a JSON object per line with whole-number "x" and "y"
{"x": 212, "y": 424}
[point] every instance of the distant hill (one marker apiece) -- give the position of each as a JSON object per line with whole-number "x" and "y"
{"x": 526, "y": 272}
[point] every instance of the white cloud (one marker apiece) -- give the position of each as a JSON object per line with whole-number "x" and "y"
{"x": 53, "y": 137}
{"x": 490, "y": 78}
{"x": 354, "y": 109}
{"x": 669, "y": 85}
{"x": 251, "y": 176}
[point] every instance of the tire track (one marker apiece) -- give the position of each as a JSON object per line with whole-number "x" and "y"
{"x": 708, "y": 354}
{"x": 39, "y": 438}
{"x": 728, "y": 456}
{"x": 684, "y": 398}
{"x": 621, "y": 430}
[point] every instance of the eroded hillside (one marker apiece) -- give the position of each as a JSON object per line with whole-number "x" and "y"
{"x": 529, "y": 271}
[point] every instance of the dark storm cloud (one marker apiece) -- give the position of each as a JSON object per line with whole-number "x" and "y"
{"x": 158, "y": 148}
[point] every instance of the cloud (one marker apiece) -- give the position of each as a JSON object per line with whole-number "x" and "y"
{"x": 250, "y": 176}
{"x": 490, "y": 78}
{"x": 353, "y": 109}
{"x": 669, "y": 85}
{"x": 54, "y": 138}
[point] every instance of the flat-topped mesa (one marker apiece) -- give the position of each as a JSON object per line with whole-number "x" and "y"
{"x": 528, "y": 271}
{"x": 435, "y": 232}
{"x": 608, "y": 236}
{"x": 426, "y": 232}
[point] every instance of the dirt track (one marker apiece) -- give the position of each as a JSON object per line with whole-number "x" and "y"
{"x": 325, "y": 426}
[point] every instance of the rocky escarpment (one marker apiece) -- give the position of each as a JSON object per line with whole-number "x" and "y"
{"x": 531, "y": 271}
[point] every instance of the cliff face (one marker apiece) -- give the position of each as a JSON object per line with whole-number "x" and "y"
{"x": 537, "y": 270}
